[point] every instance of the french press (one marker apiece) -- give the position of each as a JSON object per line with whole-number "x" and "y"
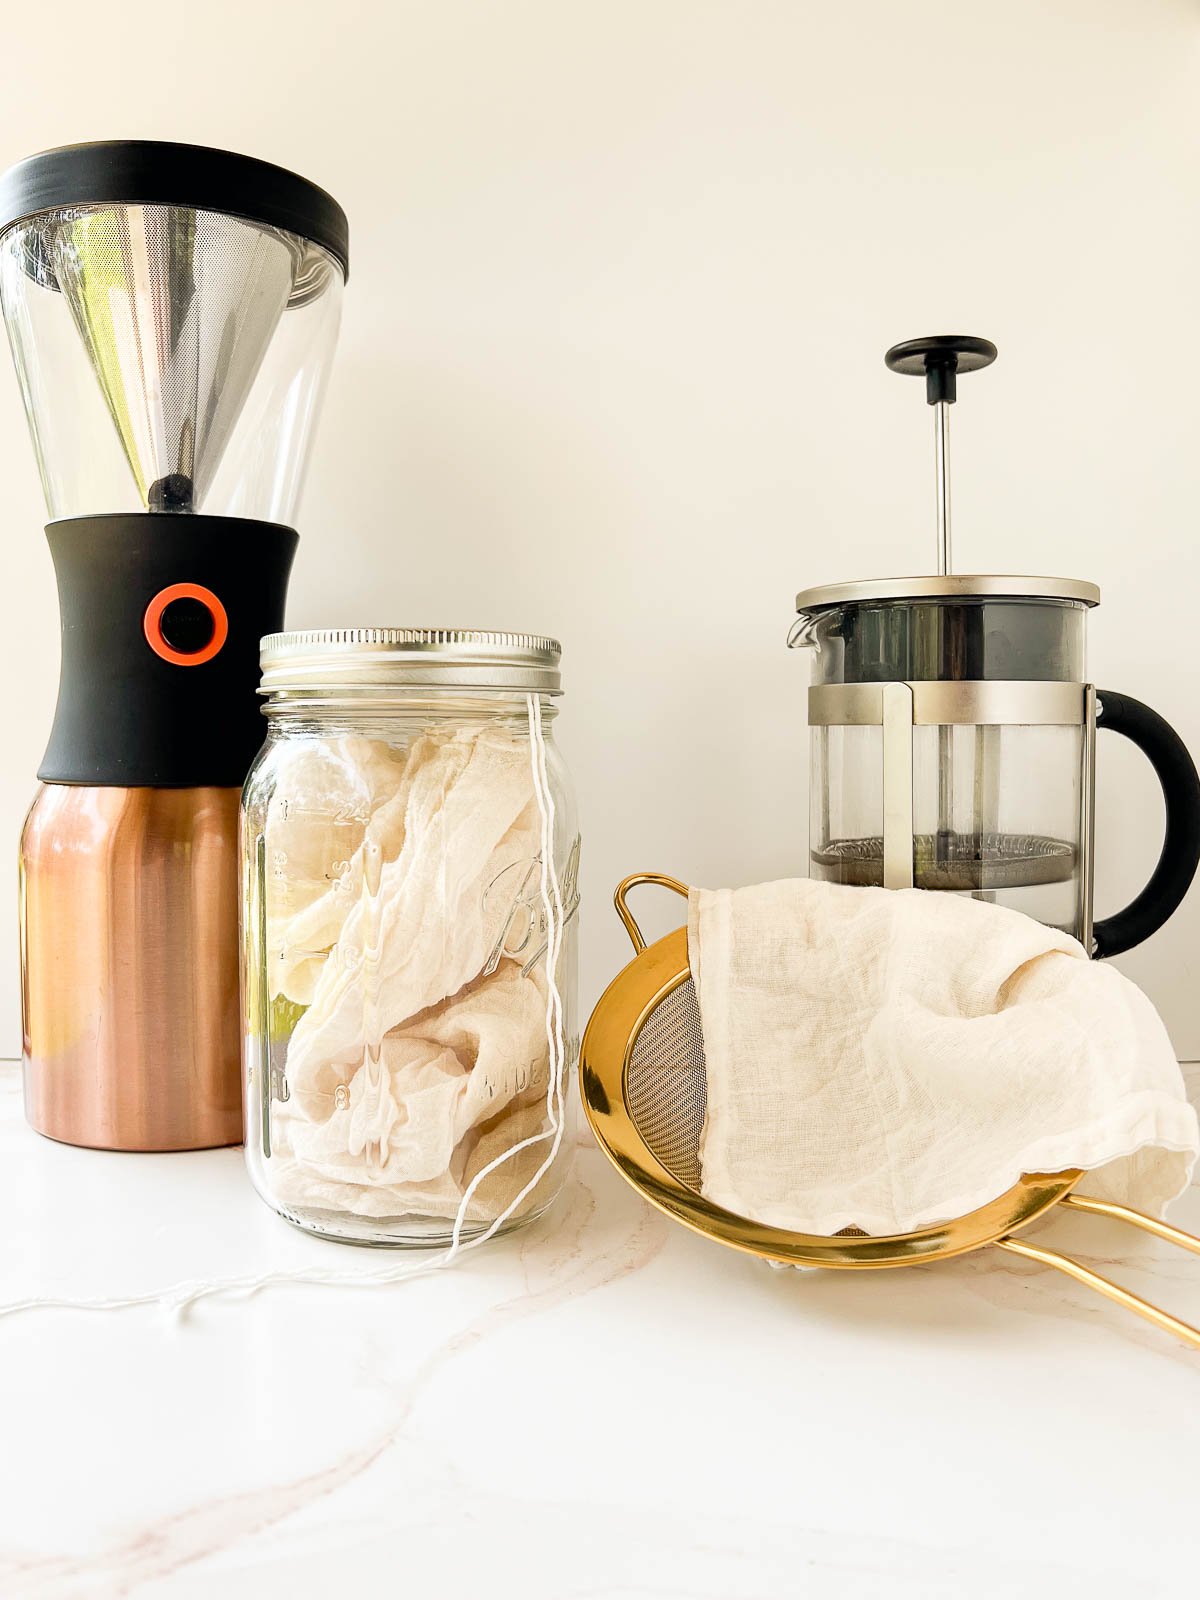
{"x": 953, "y": 727}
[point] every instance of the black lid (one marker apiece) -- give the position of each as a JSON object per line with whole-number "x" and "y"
{"x": 151, "y": 172}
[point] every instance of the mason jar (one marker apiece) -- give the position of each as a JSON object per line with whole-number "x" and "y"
{"x": 410, "y": 855}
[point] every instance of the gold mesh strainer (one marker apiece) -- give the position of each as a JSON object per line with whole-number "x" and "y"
{"x": 642, "y": 1076}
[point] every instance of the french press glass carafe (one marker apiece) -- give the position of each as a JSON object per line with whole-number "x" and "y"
{"x": 953, "y": 728}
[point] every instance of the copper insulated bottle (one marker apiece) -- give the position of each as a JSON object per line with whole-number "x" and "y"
{"x": 129, "y": 904}
{"x": 172, "y": 311}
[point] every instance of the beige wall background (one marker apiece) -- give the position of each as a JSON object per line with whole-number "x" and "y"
{"x": 623, "y": 272}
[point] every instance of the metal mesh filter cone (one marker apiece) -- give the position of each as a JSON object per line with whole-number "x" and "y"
{"x": 955, "y": 861}
{"x": 665, "y": 1084}
{"x": 176, "y": 309}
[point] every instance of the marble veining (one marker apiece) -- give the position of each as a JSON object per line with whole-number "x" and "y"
{"x": 603, "y": 1405}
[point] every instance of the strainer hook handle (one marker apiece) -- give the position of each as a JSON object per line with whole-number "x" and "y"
{"x": 634, "y": 881}
{"x": 1183, "y": 1331}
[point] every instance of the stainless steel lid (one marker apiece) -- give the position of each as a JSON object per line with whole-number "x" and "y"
{"x": 954, "y": 586}
{"x": 384, "y": 658}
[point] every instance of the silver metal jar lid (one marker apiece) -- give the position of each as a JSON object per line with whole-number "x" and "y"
{"x": 386, "y": 658}
{"x": 956, "y": 586}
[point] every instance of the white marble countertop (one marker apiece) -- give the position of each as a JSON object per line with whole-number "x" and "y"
{"x": 604, "y": 1406}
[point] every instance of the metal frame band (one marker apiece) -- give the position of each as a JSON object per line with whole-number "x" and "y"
{"x": 898, "y": 825}
{"x": 939, "y": 703}
{"x": 897, "y": 708}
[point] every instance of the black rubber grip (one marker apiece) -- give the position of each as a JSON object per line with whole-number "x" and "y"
{"x": 161, "y": 620}
{"x": 1176, "y": 771}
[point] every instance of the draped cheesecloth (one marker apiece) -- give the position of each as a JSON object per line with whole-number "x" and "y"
{"x": 419, "y": 1050}
{"x": 890, "y": 1059}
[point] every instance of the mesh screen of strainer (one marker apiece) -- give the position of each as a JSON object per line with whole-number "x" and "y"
{"x": 665, "y": 1086}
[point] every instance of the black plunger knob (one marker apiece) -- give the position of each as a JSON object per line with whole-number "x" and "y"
{"x": 939, "y": 359}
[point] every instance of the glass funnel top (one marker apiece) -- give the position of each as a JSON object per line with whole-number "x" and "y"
{"x": 171, "y": 356}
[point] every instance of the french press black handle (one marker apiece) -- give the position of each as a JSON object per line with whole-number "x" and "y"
{"x": 1176, "y": 772}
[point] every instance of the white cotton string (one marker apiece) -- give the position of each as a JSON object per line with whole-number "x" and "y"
{"x": 552, "y": 910}
{"x": 180, "y": 1296}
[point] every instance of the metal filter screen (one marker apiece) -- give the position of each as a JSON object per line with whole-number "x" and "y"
{"x": 666, "y": 1089}
{"x": 175, "y": 309}
{"x": 954, "y": 861}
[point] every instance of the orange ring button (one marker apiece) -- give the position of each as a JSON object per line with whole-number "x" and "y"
{"x": 152, "y": 624}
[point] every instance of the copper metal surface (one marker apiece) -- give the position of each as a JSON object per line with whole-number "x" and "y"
{"x": 129, "y": 955}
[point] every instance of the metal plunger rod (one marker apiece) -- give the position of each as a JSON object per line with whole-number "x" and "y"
{"x": 941, "y": 451}
{"x": 941, "y": 445}
{"x": 940, "y": 360}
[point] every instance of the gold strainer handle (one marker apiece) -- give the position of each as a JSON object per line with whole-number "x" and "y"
{"x": 1105, "y": 1286}
{"x": 634, "y": 882}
